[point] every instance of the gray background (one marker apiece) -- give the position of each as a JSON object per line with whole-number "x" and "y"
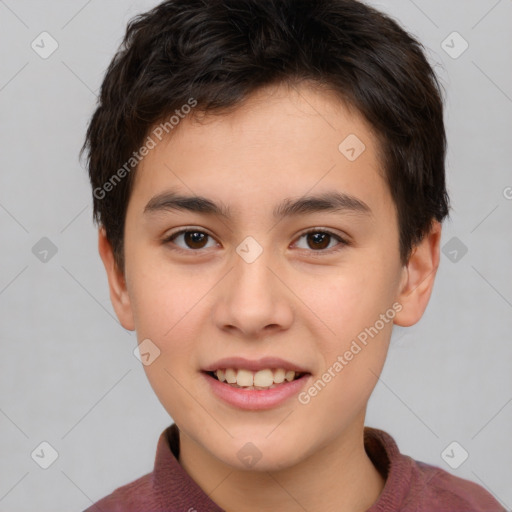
{"x": 67, "y": 372}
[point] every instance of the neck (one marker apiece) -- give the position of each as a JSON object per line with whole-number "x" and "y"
{"x": 339, "y": 476}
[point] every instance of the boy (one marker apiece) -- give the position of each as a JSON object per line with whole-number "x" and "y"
{"x": 268, "y": 179}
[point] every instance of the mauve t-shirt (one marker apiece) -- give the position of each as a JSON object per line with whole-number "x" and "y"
{"x": 411, "y": 486}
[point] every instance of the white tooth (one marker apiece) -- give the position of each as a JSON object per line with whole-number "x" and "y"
{"x": 290, "y": 374}
{"x": 263, "y": 378}
{"x": 279, "y": 375}
{"x": 220, "y": 375}
{"x": 244, "y": 378}
{"x": 230, "y": 375}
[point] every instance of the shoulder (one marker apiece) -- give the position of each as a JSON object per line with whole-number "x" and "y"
{"x": 443, "y": 491}
{"x": 134, "y": 496}
{"x": 415, "y": 486}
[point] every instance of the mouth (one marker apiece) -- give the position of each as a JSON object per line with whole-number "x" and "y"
{"x": 267, "y": 378}
{"x": 256, "y": 384}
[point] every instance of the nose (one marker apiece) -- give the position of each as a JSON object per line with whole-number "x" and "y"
{"x": 252, "y": 300}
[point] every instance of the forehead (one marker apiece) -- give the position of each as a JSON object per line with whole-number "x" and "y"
{"x": 281, "y": 142}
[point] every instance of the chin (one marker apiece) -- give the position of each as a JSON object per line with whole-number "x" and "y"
{"x": 259, "y": 454}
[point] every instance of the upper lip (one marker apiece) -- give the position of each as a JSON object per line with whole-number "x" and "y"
{"x": 254, "y": 364}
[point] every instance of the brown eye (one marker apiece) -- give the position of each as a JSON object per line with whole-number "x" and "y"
{"x": 316, "y": 241}
{"x": 193, "y": 239}
{"x": 319, "y": 241}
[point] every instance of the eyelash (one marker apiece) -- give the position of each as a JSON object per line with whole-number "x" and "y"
{"x": 320, "y": 252}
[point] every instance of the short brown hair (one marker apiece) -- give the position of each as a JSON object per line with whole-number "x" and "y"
{"x": 220, "y": 51}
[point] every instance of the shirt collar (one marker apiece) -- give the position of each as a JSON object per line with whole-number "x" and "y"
{"x": 396, "y": 469}
{"x": 176, "y": 488}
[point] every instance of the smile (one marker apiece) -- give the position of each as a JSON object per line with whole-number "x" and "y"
{"x": 251, "y": 397}
{"x": 263, "y": 379}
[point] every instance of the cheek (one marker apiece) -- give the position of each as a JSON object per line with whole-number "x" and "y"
{"x": 164, "y": 306}
{"x": 353, "y": 357}
{"x": 165, "y": 311}
{"x": 162, "y": 297}
{"x": 355, "y": 345}
{"x": 353, "y": 299}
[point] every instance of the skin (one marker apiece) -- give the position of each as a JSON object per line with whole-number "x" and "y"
{"x": 291, "y": 302}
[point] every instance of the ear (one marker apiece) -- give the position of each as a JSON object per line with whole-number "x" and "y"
{"x": 418, "y": 278}
{"x": 116, "y": 282}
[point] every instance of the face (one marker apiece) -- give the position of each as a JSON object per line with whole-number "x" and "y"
{"x": 257, "y": 279}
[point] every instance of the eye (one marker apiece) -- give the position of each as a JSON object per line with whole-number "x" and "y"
{"x": 317, "y": 240}
{"x": 193, "y": 239}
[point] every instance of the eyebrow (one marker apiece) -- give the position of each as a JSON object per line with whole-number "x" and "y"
{"x": 331, "y": 202}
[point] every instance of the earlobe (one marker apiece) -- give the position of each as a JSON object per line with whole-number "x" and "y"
{"x": 116, "y": 282}
{"x": 419, "y": 276}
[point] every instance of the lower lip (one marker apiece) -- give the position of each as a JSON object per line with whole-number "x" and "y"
{"x": 256, "y": 399}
